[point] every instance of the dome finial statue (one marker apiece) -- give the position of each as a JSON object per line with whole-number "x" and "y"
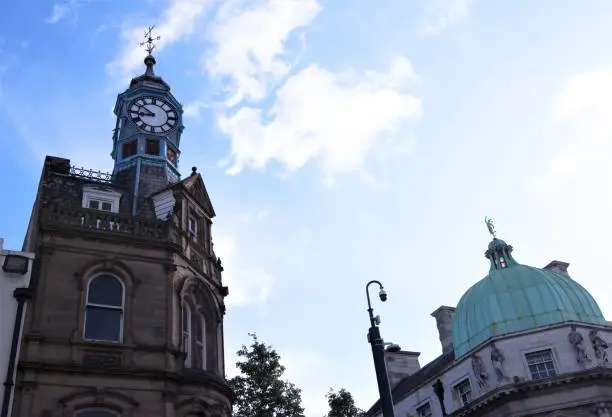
{"x": 491, "y": 227}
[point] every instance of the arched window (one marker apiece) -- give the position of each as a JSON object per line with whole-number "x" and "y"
{"x": 104, "y": 310}
{"x": 193, "y": 329}
{"x": 200, "y": 341}
{"x": 96, "y": 413}
{"x": 186, "y": 330}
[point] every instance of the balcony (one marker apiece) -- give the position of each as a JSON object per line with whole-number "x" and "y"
{"x": 82, "y": 220}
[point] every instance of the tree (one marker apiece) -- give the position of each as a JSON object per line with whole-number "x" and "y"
{"x": 259, "y": 389}
{"x": 341, "y": 404}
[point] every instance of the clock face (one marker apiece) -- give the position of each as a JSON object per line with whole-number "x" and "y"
{"x": 153, "y": 115}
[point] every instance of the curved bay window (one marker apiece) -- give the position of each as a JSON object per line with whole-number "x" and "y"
{"x": 198, "y": 311}
{"x": 104, "y": 309}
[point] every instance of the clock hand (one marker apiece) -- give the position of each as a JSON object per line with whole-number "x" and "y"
{"x": 148, "y": 112}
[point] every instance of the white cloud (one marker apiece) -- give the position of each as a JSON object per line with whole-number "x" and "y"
{"x": 194, "y": 109}
{"x": 177, "y": 22}
{"x": 63, "y": 10}
{"x": 338, "y": 118}
{"x": 249, "y": 38}
{"x": 247, "y": 285}
{"x": 444, "y": 13}
{"x": 581, "y": 113}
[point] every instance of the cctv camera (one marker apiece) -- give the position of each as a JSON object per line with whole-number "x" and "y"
{"x": 383, "y": 295}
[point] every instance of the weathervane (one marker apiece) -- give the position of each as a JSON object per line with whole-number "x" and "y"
{"x": 490, "y": 226}
{"x": 149, "y": 40}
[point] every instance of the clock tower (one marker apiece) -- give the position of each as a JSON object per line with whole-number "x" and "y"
{"x": 127, "y": 309}
{"x": 147, "y": 137}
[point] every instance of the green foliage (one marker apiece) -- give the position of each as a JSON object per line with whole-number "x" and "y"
{"x": 259, "y": 389}
{"x": 341, "y": 404}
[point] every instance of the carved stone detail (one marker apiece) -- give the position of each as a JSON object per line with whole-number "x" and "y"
{"x": 102, "y": 360}
{"x": 577, "y": 341}
{"x": 497, "y": 360}
{"x": 600, "y": 347}
{"x": 480, "y": 371}
{"x": 602, "y": 409}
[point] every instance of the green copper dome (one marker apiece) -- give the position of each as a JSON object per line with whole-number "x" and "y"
{"x": 515, "y": 297}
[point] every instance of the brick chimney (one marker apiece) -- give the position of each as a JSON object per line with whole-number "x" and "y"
{"x": 401, "y": 364}
{"x": 444, "y": 321}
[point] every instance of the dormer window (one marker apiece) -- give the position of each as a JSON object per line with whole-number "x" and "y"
{"x": 129, "y": 149}
{"x": 102, "y": 199}
{"x": 171, "y": 155}
{"x": 152, "y": 147}
{"x": 100, "y": 205}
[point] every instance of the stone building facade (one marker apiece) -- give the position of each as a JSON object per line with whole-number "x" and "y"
{"x": 128, "y": 299}
{"x": 521, "y": 342}
{"x": 15, "y": 274}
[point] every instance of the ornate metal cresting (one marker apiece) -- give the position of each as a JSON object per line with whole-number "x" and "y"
{"x": 149, "y": 42}
{"x": 89, "y": 174}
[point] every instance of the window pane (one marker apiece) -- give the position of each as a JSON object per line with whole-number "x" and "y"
{"x": 152, "y": 147}
{"x": 102, "y": 324}
{"x": 199, "y": 327}
{"x": 129, "y": 149}
{"x": 185, "y": 319}
{"x": 96, "y": 413}
{"x": 105, "y": 290}
{"x": 94, "y": 204}
{"x": 107, "y": 206}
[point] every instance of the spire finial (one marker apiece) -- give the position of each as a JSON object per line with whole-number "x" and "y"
{"x": 149, "y": 42}
{"x": 491, "y": 227}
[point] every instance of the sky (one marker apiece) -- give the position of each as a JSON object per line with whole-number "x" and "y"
{"x": 340, "y": 141}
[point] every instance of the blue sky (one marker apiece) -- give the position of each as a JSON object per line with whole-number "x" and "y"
{"x": 341, "y": 141}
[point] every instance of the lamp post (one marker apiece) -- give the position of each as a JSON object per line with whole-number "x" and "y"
{"x": 378, "y": 353}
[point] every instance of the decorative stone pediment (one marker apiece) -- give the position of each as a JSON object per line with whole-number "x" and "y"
{"x": 195, "y": 185}
{"x": 97, "y": 397}
{"x": 200, "y": 407}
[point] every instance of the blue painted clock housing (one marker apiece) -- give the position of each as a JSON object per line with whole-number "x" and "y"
{"x": 146, "y": 159}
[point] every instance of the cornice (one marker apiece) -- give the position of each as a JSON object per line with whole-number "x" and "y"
{"x": 187, "y": 377}
{"x": 502, "y": 395}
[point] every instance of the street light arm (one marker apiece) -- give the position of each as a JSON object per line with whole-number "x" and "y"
{"x": 378, "y": 354}
{"x": 370, "y": 310}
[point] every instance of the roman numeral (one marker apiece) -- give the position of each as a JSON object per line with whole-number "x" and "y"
{"x": 166, "y": 127}
{"x": 148, "y": 100}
